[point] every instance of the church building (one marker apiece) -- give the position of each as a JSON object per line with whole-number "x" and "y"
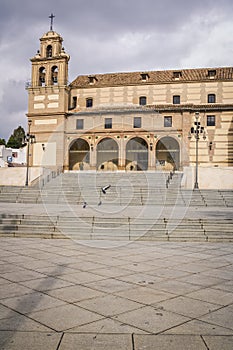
{"x": 133, "y": 121}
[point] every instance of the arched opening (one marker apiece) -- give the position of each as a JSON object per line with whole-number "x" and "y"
{"x": 107, "y": 154}
{"x": 79, "y": 157}
{"x": 49, "y": 51}
{"x": 137, "y": 154}
{"x": 167, "y": 153}
{"x": 54, "y": 75}
{"x": 42, "y": 73}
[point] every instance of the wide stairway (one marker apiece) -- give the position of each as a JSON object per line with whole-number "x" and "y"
{"x": 137, "y": 206}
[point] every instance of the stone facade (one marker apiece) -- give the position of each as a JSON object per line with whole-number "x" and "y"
{"x": 127, "y": 121}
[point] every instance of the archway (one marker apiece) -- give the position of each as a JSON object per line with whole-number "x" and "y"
{"x": 79, "y": 155}
{"x": 137, "y": 154}
{"x": 107, "y": 154}
{"x": 168, "y": 153}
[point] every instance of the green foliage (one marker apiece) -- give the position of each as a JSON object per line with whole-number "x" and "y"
{"x": 2, "y": 142}
{"x": 16, "y": 140}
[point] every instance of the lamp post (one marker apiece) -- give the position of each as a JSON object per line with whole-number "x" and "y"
{"x": 29, "y": 140}
{"x": 196, "y": 131}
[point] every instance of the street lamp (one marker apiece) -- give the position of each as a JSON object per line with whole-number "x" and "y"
{"x": 196, "y": 131}
{"x": 29, "y": 140}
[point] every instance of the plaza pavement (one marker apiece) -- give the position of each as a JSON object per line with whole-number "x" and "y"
{"x": 67, "y": 295}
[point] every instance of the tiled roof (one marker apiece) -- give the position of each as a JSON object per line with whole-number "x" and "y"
{"x": 153, "y": 77}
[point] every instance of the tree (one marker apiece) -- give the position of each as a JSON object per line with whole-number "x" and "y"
{"x": 3, "y": 142}
{"x": 16, "y": 140}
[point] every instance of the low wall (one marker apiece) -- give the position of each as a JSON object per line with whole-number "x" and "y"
{"x": 208, "y": 178}
{"x": 16, "y": 176}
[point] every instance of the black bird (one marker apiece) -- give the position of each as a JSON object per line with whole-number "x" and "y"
{"x": 84, "y": 204}
{"x": 105, "y": 188}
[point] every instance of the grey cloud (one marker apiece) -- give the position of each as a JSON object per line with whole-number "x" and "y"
{"x": 108, "y": 35}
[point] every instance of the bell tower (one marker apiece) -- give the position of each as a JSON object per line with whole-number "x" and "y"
{"x": 48, "y": 96}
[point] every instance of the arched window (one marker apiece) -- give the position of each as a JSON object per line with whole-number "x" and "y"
{"x": 142, "y": 100}
{"x": 168, "y": 153}
{"x": 54, "y": 75}
{"x": 107, "y": 154}
{"x": 49, "y": 51}
{"x": 137, "y": 154}
{"x": 79, "y": 155}
{"x": 42, "y": 73}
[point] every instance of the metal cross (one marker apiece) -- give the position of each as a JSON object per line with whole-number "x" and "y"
{"x": 51, "y": 23}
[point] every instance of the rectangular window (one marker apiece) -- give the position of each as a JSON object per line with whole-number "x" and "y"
{"x": 79, "y": 124}
{"x": 167, "y": 122}
{"x": 137, "y": 122}
{"x": 108, "y": 123}
{"x": 74, "y": 103}
{"x": 210, "y": 120}
{"x": 142, "y": 100}
{"x": 211, "y": 98}
{"x": 211, "y": 73}
{"x": 176, "y": 99}
{"x": 89, "y": 102}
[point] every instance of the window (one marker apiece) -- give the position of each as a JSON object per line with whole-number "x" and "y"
{"x": 42, "y": 73}
{"x": 211, "y": 98}
{"x": 144, "y": 76}
{"x": 167, "y": 122}
{"x": 79, "y": 124}
{"x": 211, "y": 73}
{"x": 177, "y": 75}
{"x": 89, "y": 102}
{"x": 142, "y": 100}
{"x": 54, "y": 75}
{"x": 137, "y": 122}
{"x": 176, "y": 99}
{"x": 210, "y": 120}
{"x": 74, "y": 103}
{"x": 92, "y": 79}
{"x": 108, "y": 123}
{"x": 49, "y": 51}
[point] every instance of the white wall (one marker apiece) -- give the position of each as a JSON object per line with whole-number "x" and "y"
{"x": 209, "y": 177}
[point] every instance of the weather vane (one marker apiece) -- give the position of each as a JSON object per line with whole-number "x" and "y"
{"x": 51, "y": 22}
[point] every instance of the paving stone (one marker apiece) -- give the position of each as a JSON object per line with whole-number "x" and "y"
{"x": 81, "y": 277}
{"x": 213, "y": 296}
{"x": 75, "y": 293}
{"x": 222, "y": 317}
{"x": 24, "y": 275}
{"x": 96, "y": 342}
{"x": 168, "y": 342}
{"x": 109, "y": 305}
{"x": 106, "y": 326}
{"x": 151, "y": 319}
{"x": 141, "y": 279}
{"x": 17, "y": 322}
{"x": 196, "y": 327}
{"x": 109, "y": 285}
{"x": 10, "y": 289}
{"x": 145, "y": 295}
{"x": 64, "y": 317}
{"x": 5, "y": 312}
{"x": 28, "y": 340}
{"x": 187, "y": 306}
{"x": 174, "y": 286}
{"x": 219, "y": 342}
{"x": 31, "y": 302}
{"x": 46, "y": 283}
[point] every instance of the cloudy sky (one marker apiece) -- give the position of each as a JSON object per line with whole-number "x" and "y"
{"x": 105, "y": 36}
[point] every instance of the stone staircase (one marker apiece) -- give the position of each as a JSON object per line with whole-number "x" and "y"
{"x": 131, "y": 189}
{"x": 116, "y": 228}
{"x": 138, "y": 192}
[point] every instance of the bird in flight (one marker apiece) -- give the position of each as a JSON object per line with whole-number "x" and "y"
{"x": 105, "y": 188}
